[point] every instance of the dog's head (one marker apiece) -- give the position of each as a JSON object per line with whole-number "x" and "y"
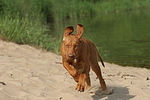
{"x": 72, "y": 43}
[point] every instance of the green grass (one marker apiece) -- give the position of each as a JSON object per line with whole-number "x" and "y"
{"x": 25, "y": 23}
{"x": 34, "y": 22}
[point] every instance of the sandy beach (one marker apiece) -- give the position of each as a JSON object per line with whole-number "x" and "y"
{"x": 27, "y": 73}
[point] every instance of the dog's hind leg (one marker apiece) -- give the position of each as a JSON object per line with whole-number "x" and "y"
{"x": 87, "y": 82}
{"x": 97, "y": 70}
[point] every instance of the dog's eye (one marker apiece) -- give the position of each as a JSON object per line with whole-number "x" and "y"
{"x": 76, "y": 45}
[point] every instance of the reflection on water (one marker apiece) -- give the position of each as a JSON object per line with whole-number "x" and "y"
{"x": 122, "y": 38}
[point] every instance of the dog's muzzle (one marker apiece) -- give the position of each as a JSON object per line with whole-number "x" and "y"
{"x": 71, "y": 59}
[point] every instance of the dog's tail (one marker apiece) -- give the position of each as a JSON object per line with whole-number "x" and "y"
{"x": 100, "y": 57}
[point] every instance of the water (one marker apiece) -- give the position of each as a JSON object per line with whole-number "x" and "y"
{"x": 121, "y": 38}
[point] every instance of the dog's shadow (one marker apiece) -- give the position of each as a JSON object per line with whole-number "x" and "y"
{"x": 119, "y": 93}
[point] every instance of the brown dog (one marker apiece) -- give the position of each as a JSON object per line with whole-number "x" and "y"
{"x": 78, "y": 54}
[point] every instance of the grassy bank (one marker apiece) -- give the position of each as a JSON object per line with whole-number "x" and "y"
{"x": 26, "y": 22}
{"x": 34, "y": 22}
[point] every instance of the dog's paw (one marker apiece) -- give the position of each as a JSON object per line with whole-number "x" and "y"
{"x": 106, "y": 92}
{"x": 80, "y": 87}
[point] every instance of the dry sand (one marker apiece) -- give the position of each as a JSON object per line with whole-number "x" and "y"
{"x": 27, "y": 73}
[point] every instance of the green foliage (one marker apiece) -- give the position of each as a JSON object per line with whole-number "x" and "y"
{"x": 24, "y": 22}
{"x": 34, "y": 22}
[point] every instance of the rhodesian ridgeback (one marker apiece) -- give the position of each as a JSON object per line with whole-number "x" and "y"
{"x": 78, "y": 55}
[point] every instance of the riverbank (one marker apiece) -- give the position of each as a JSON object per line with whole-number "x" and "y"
{"x": 32, "y": 74}
{"x": 34, "y": 22}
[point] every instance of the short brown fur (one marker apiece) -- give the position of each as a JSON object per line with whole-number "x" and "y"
{"x": 78, "y": 54}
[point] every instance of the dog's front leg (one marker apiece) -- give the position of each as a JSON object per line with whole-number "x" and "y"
{"x": 72, "y": 71}
{"x": 81, "y": 77}
{"x": 77, "y": 74}
{"x": 81, "y": 84}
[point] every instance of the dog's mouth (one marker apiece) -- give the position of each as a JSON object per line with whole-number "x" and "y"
{"x": 72, "y": 60}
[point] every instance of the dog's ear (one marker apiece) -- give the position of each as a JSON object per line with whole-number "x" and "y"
{"x": 68, "y": 31}
{"x": 80, "y": 30}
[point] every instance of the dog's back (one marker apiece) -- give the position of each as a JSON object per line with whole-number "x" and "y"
{"x": 90, "y": 51}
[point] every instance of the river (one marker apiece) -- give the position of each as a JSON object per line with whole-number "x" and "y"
{"x": 121, "y": 38}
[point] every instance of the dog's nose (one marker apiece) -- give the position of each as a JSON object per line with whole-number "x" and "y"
{"x": 71, "y": 55}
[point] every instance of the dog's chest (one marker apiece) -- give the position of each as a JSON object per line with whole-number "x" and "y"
{"x": 76, "y": 64}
